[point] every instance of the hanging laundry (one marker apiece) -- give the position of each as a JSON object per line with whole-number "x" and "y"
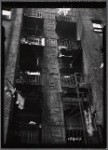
{"x": 63, "y": 11}
{"x": 88, "y": 121}
{"x": 20, "y": 101}
{"x": 70, "y": 65}
{"x": 62, "y": 47}
{"x": 9, "y": 89}
{"x": 102, "y": 65}
{"x": 38, "y": 61}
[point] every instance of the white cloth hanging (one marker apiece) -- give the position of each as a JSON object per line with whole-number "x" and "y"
{"x": 20, "y": 101}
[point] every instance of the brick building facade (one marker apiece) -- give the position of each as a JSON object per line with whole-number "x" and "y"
{"x": 67, "y": 53}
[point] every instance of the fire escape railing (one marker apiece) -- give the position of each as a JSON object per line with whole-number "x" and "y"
{"x": 67, "y": 18}
{"x": 67, "y": 81}
{"x": 33, "y": 40}
{"x": 32, "y": 34}
{"x": 40, "y": 14}
{"x": 77, "y": 80}
{"x": 71, "y": 80}
{"x": 24, "y": 78}
{"x": 68, "y": 52}
{"x": 26, "y": 133}
{"x": 69, "y": 44}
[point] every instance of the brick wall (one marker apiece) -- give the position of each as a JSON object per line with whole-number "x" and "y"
{"x": 53, "y": 131}
{"x": 6, "y": 25}
{"x": 10, "y": 62}
{"x": 93, "y": 57}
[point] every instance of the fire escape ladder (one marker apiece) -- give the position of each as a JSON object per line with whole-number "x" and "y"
{"x": 81, "y": 110}
{"x": 89, "y": 140}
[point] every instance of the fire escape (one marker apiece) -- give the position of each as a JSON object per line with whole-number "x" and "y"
{"x": 26, "y": 127}
{"x": 27, "y": 123}
{"x": 76, "y": 94}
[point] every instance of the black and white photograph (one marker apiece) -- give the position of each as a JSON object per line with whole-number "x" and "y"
{"x": 53, "y": 75}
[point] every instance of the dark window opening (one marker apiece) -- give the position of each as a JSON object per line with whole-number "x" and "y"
{"x": 66, "y": 30}
{"x": 32, "y": 26}
{"x": 30, "y": 57}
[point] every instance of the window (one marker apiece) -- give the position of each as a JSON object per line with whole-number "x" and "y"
{"x": 6, "y": 13}
{"x": 97, "y": 26}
